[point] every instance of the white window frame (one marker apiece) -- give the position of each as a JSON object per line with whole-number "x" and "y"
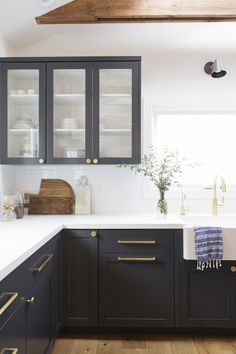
{"x": 153, "y": 106}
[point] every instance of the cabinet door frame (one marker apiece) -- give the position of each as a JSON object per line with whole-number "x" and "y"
{"x": 107, "y": 320}
{"x": 50, "y": 111}
{"x": 136, "y": 111}
{"x": 4, "y": 112}
{"x": 185, "y": 269}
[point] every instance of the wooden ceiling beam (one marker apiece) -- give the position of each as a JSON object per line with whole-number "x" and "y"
{"x": 129, "y": 11}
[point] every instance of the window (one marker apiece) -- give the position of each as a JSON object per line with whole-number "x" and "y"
{"x": 208, "y": 139}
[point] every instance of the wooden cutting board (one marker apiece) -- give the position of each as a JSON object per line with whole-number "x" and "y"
{"x": 56, "y": 197}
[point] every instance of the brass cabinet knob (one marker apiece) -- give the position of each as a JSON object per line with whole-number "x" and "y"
{"x": 41, "y": 161}
{"x": 233, "y": 269}
{"x": 88, "y": 161}
{"x": 95, "y": 161}
{"x": 94, "y": 234}
{"x": 31, "y": 301}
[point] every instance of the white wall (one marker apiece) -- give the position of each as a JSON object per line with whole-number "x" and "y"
{"x": 173, "y": 57}
{"x": 3, "y": 175}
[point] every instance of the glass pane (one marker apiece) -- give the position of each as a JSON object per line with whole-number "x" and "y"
{"x": 23, "y": 113}
{"x": 115, "y": 113}
{"x": 69, "y": 113}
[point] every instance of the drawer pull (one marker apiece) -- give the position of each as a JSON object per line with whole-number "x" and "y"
{"x": 126, "y": 242}
{"x": 12, "y": 298}
{"x": 9, "y": 351}
{"x": 43, "y": 265}
{"x": 136, "y": 259}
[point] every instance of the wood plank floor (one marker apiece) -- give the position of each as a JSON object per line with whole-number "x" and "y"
{"x": 145, "y": 344}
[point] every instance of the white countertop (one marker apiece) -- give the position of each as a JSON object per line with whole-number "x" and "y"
{"x": 19, "y": 239}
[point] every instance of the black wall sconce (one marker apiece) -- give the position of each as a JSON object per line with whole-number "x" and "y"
{"x": 214, "y": 69}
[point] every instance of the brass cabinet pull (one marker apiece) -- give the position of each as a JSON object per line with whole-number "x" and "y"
{"x": 12, "y": 298}
{"x": 41, "y": 161}
{"x": 95, "y": 161}
{"x": 88, "y": 161}
{"x": 142, "y": 259}
{"x": 93, "y": 234}
{"x": 126, "y": 242}
{"x": 43, "y": 265}
{"x": 31, "y": 301}
{"x": 11, "y": 350}
{"x": 233, "y": 269}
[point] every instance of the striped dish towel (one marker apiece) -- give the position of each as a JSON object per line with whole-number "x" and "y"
{"x": 208, "y": 247}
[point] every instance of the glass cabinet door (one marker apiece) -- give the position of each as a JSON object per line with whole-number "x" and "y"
{"x": 116, "y": 113}
{"x": 69, "y": 112}
{"x": 23, "y": 113}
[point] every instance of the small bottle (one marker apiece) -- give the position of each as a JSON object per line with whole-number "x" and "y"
{"x": 19, "y": 203}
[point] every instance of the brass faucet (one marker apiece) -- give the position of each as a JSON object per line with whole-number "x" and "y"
{"x": 184, "y": 207}
{"x": 215, "y": 203}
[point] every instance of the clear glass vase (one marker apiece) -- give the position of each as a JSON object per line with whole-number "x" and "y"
{"x": 162, "y": 206}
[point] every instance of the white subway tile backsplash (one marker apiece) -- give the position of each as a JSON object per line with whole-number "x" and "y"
{"x": 114, "y": 190}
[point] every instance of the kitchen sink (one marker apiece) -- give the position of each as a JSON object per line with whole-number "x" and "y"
{"x": 228, "y": 224}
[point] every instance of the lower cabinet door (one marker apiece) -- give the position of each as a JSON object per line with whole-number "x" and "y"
{"x": 80, "y": 278}
{"x": 137, "y": 290}
{"x": 39, "y": 317}
{"x": 206, "y": 298}
{"x": 12, "y": 334}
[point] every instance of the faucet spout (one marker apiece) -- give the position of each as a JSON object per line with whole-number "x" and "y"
{"x": 215, "y": 202}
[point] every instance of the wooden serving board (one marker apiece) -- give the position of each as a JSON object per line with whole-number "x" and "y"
{"x": 56, "y": 197}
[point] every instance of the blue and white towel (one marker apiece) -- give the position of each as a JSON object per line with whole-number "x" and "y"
{"x": 208, "y": 247}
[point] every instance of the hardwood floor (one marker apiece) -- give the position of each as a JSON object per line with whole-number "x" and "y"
{"x": 151, "y": 344}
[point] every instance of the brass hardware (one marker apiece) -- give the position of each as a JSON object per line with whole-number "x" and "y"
{"x": 13, "y": 296}
{"x": 41, "y": 161}
{"x": 233, "y": 269}
{"x": 126, "y": 242}
{"x": 93, "y": 234}
{"x": 95, "y": 161}
{"x": 142, "y": 259}
{"x": 43, "y": 265}
{"x": 31, "y": 301}
{"x": 215, "y": 203}
{"x": 184, "y": 207}
{"x": 7, "y": 350}
{"x": 88, "y": 161}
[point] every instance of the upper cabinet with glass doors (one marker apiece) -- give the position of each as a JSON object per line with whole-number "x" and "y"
{"x": 23, "y": 112}
{"x": 71, "y": 111}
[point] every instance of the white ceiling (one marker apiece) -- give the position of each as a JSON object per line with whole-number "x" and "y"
{"x": 18, "y": 27}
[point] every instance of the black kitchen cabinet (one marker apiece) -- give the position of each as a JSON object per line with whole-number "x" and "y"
{"x": 12, "y": 334}
{"x": 206, "y": 298}
{"x": 39, "y": 316}
{"x": 70, "y": 110}
{"x": 137, "y": 290}
{"x": 23, "y": 112}
{"x": 30, "y": 301}
{"x": 136, "y": 274}
{"x": 80, "y": 278}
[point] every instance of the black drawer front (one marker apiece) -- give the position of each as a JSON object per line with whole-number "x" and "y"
{"x": 12, "y": 292}
{"x": 39, "y": 264}
{"x": 12, "y": 334}
{"x": 136, "y": 241}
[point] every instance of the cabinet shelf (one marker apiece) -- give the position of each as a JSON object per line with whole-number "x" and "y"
{"x": 115, "y": 131}
{"x": 116, "y": 99}
{"x": 59, "y": 131}
{"x": 23, "y": 131}
{"x": 64, "y": 99}
{"x": 24, "y": 99}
